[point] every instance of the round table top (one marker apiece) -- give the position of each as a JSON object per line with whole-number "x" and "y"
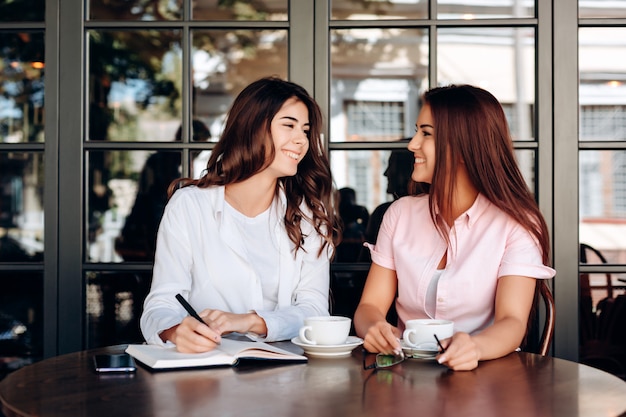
{"x": 520, "y": 384}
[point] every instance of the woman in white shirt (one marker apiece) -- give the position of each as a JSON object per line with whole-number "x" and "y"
{"x": 248, "y": 244}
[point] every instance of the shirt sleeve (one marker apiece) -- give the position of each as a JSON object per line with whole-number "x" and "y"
{"x": 382, "y": 251}
{"x": 522, "y": 256}
{"x": 171, "y": 274}
{"x": 309, "y": 297}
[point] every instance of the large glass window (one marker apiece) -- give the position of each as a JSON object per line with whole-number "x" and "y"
{"x": 602, "y": 187}
{"x": 130, "y": 80}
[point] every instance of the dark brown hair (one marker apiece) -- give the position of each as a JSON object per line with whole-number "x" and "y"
{"x": 471, "y": 128}
{"x": 244, "y": 150}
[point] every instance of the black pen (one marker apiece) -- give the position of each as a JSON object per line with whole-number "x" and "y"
{"x": 189, "y": 308}
{"x": 440, "y": 345}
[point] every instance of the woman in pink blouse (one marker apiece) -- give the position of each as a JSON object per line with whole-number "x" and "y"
{"x": 471, "y": 248}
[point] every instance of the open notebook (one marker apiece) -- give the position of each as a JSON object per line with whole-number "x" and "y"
{"x": 229, "y": 353}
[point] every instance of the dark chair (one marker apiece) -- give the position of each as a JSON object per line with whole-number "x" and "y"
{"x": 541, "y": 322}
{"x": 548, "y": 327}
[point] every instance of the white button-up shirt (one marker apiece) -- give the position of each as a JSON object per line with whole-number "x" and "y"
{"x": 200, "y": 254}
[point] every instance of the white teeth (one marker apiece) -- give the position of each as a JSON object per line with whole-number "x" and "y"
{"x": 419, "y": 160}
{"x": 292, "y": 155}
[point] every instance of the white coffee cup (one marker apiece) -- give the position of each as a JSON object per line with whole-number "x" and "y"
{"x": 420, "y": 333}
{"x": 325, "y": 330}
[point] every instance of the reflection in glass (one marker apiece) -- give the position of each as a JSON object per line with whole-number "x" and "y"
{"x": 22, "y": 11}
{"x": 21, "y": 87}
{"x": 200, "y": 159}
{"x": 135, "y": 9}
{"x": 368, "y": 182}
{"x": 362, "y": 171}
{"x": 21, "y": 319}
{"x": 135, "y": 80}
{"x": 362, "y": 213}
{"x": 114, "y": 307}
{"x": 614, "y": 9}
{"x": 240, "y": 10}
{"x": 467, "y": 56}
{"x": 127, "y": 195}
{"x": 21, "y": 206}
{"x": 526, "y": 162}
{"x": 379, "y": 10}
{"x": 377, "y": 76}
{"x": 224, "y": 62}
{"x": 602, "y": 205}
{"x": 485, "y": 9}
{"x": 602, "y": 90}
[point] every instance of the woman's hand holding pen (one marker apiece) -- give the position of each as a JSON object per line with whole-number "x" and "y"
{"x": 202, "y": 332}
{"x": 193, "y": 336}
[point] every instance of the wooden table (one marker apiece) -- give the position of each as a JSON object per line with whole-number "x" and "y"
{"x": 520, "y": 384}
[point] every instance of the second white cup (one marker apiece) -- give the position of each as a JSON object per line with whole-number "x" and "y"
{"x": 325, "y": 330}
{"x": 420, "y": 333}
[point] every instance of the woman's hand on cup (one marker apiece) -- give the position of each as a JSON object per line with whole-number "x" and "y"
{"x": 384, "y": 338}
{"x": 461, "y": 352}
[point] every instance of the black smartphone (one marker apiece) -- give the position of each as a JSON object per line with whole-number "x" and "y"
{"x": 119, "y": 362}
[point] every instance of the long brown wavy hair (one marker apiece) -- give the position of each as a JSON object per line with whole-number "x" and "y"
{"x": 245, "y": 148}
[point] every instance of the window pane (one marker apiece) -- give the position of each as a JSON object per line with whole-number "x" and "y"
{"x": 526, "y": 162}
{"x": 485, "y": 9}
{"x": 21, "y": 87}
{"x": 22, "y": 11}
{"x": 21, "y": 206}
{"x": 114, "y": 307}
{"x": 127, "y": 195}
{"x": 601, "y": 8}
{"x": 240, "y": 10}
{"x": 199, "y": 163}
{"x": 602, "y": 92}
{"x": 379, "y": 10}
{"x": 467, "y": 56}
{"x": 602, "y": 205}
{"x": 135, "y": 9}
{"x": 226, "y": 61}
{"x": 368, "y": 182}
{"x": 135, "y": 80}
{"x": 21, "y": 319}
{"x": 376, "y": 79}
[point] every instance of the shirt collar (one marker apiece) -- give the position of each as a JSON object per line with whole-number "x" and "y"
{"x": 476, "y": 210}
{"x": 281, "y": 205}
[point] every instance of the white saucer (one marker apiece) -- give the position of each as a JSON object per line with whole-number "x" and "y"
{"x": 426, "y": 352}
{"x": 327, "y": 351}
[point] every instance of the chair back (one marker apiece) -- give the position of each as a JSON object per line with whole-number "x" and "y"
{"x": 548, "y": 327}
{"x": 540, "y": 328}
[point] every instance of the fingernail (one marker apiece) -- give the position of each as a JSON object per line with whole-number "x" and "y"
{"x": 442, "y": 359}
